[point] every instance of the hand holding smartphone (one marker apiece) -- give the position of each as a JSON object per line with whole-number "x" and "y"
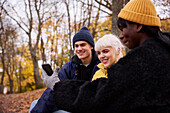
{"x": 48, "y": 69}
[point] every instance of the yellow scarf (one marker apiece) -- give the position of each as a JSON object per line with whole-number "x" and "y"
{"x": 101, "y": 73}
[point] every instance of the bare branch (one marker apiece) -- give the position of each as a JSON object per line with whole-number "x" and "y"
{"x": 16, "y": 21}
{"x": 107, "y": 5}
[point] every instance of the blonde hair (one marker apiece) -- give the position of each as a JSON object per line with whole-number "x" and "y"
{"x": 112, "y": 41}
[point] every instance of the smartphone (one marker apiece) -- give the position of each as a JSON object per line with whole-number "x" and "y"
{"x": 48, "y": 69}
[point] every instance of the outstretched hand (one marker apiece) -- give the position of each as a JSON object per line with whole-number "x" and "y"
{"x": 50, "y": 80}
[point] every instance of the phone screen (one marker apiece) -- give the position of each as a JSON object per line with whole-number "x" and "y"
{"x": 47, "y": 69}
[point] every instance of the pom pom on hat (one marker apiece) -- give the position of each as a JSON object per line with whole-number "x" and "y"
{"x": 84, "y": 35}
{"x": 140, "y": 11}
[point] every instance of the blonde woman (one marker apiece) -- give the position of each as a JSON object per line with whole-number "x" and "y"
{"x": 109, "y": 50}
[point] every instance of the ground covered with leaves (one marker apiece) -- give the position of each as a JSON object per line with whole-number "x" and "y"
{"x": 18, "y": 103}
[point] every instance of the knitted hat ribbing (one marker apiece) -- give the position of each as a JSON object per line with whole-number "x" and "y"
{"x": 140, "y": 11}
{"x": 83, "y": 35}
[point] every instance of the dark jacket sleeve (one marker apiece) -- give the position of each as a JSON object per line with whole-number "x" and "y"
{"x": 67, "y": 71}
{"x": 45, "y": 104}
{"x": 135, "y": 82}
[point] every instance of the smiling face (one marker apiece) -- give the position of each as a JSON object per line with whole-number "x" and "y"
{"x": 83, "y": 50}
{"x": 107, "y": 56}
{"x": 129, "y": 35}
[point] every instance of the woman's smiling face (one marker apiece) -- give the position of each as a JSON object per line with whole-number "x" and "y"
{"x": 107, "y": 56}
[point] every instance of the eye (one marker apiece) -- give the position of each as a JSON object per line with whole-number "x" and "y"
{"x": 76, "y": 45}
{"x": 105, "y": 51}
{"x": 98, "y": 52}
{"x": 121, "y": 28}
{"x": 83, "y": 44}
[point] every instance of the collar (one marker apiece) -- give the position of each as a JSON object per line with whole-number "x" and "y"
{"x": 101, "y": 66}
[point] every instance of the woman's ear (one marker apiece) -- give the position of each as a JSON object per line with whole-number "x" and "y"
{"x": 117, "y": 51}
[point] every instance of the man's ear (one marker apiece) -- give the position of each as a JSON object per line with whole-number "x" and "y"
{"x": 139, "y": 27}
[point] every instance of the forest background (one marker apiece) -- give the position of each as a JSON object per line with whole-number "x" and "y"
{"x": 33, "y": 32}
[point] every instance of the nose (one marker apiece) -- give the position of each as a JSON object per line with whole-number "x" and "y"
{"x": 79, "y": 48}
{"x": 101, "y": 55}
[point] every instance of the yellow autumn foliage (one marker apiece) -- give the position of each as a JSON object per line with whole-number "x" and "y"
{"x": 165, "y": 25}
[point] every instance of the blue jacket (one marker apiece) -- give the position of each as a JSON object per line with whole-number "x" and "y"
{"x": 75, "y": 70}
{"x": 68, "y": 71}
{"x": 71, "y": 70}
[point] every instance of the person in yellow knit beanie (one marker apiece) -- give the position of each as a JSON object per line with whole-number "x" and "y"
{"x": 109, "y": 50}
{"x": 139, "y": 82}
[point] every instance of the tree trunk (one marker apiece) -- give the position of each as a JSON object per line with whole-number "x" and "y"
{"x": 1, "y": 89}
{"x": 96, "y": 21}
{"x": 43, "y": 51}
{"x": 69, "y": 27}
{"x": 10, "y": 81}
{"x": 38, "y": 81}
{"x": 11, "y": 85}
{"x": 116, "y": 7}
{"x": 3, "y": 63}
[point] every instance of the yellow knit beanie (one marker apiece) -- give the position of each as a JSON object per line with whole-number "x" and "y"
{"x": 140, "y": 11}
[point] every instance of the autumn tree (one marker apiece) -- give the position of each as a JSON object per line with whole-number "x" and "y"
{"x": 11, "y": 36}
{"x": 31, "y": 22}
{"x": 51, "y": 43}
{"x": 8, "y": 38}
{"x": 87, "y": 15}
{"x": 112, "y": 8}
{"x": 116, "y": 7}
{"x": 67, "y": 4}
{"x": 22, "y": 58}
{"x": 162, "y": 8}
{"x": 1, "y": 45}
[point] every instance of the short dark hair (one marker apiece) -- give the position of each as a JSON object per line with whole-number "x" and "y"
{"x": 149, "y": 30}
